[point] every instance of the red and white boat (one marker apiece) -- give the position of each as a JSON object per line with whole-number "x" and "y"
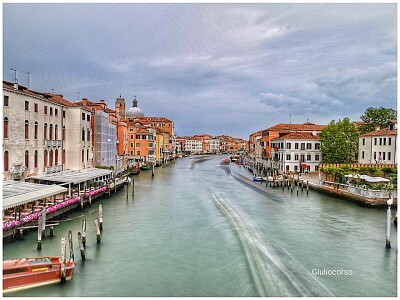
{"x": 25, "y": 273}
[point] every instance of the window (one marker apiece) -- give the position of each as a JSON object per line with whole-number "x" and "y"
{"x": 383, "y": 155}
{"x": 36, "y": 107}
{"x": 295, "y": 168}
{"x": 88, "y": 135}
{"x": 389, "y": 141}
{"x": 36, "y": 159}
{"x": 303, "y": 146}
{"x": 87, "y": 117}
{"x": 316, "y": 157}
{"x": 296, "y": 157}
{"x": 26, "y": 105}
{"x": 309, "y": 145}
{"x": 137, "y": 144}
{"x": 45, "y": 158}
{"x": 27, "y": 159}
{"x": 389, "y": 156}
{"x": 35, "y": 133}
{"x": 26, "y": 129}
{"x": 83, "y": 156}
{"x": 380, "y": 141}
{"x": 83, "y": 134}
{"x": 308, "y": 157}
{"x": 138, "y": 153}
{"x": 56, "y": 132}
{"x": 63, "y": 113}
{"x": 51, "y": 132}
{"x": 6, "y": 161}
{"x": 296, "y": 145}
{"x": 131, "y": 145}
{"x": 87, "y": 155}
{"x": 51, "y": 158}
{"x": 15, "y": 271}
{"x": 56, "y": 112}
{"x": 45, "y": 131}
{"x": 317, "y": 146}
{"x": 384, "y": 141}
{"x": 363, "y": 142}
{"x": 143, "y": 137}
{"x": 288, "y": 157}
{"x": 63, "y": 133}
{"x": 288, "y": 146}
{"x": 138, "y": 137}
{"x": 51, "y": 111}
{"x": 56, "y": 157}
{"x": 316, "y": 168}
{"x": 45, "y": 109}
{"x": 83, "y": 116}
{"x": 375, "y": 141}
{"x": 362, "y": 154}
{"x": 375, "y": 155}
{"x": 5, "y": 100}
{"x": 5, "y": 128}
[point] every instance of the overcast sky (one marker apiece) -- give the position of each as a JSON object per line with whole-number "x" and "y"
{"x": 211, "y": 68}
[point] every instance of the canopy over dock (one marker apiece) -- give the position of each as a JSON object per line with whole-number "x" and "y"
{"x": 17, "y": 193}
{"x": 73, "y": 176}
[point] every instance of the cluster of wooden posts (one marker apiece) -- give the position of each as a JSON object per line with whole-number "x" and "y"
{"x": 289, "y": 181}
{"x": 98, "y": 221}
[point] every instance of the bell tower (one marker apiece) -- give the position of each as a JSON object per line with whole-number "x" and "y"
{"x": 120, "y": 106}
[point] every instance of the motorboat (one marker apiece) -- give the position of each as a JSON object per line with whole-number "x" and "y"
{"x": 25, "y": 273}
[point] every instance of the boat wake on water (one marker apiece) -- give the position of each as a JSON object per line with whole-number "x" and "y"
{"x": 271, "y": 277}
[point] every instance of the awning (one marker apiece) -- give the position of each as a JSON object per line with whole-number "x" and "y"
{"x": 73, "y": 176}
{"x": 367, "y": 178}
{"x": 18, "y": 192}
{"x": 304, "y": 166}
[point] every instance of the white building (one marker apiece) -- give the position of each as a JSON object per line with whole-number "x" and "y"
{"x": 379, "y": 146}
{"x": 32, "y": 133}
{"x": 296, "y": 151}
{"x": 212, "y": 145}
{"x": 41, "y": 133}
{"x": 194, "y": 146}
{"x": 105, "y": 140}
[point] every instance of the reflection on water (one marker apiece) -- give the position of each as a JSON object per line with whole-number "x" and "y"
{"x": 193, "y": 230}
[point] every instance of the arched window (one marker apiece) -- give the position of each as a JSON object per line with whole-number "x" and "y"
{"x": 51, "y": 132}
{"x": 6, "y": 128}
{"x": 45, "y": 131}
{"x": 88, "y": 135}
{"x": 27, "y": 159}
{"x": 36, "y": 159}
{"x": 26, "y": 129}
{"x": 83, "y": 155}
{"x": 63, "y": 133}
{"x": 56, "y": 157}
{"x": 36, "y": 130}
{"x": 87, "y": 155}
{"x": 56, "y": 132}
{"x": 6, "y": 161}
{"x": 83, "y": 134}
{"x": 45, "y": 158}
{"x": 51, "y": 158}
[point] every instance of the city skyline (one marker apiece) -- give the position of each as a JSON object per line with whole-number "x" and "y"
{"x": 228, "y": 69}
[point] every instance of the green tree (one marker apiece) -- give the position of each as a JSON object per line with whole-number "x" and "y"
{"x": 339, "y": 142}
{"x": 377, "y": 117}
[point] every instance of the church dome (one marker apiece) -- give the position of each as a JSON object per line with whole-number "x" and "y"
{"x": 134, "y": 111}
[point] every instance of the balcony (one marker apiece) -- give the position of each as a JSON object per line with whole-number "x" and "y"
{"x": 52, "y": 143}
{"x": 53, "y": 169}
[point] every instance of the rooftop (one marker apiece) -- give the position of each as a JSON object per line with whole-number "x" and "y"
{"x": 73, "y": 176}
{"x": 381, "y": 132}
{"x": 298, "y": 136}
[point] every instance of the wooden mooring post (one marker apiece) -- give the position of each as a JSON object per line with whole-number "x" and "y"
{"x": 152, "y": 170}
{"x": 84, "y": 232}
{"x": 101, "y": 217}
{"x": 81, "y": 246}
{"x": 39, "y": 236}
{"x": 51, "y": 231}
{"x": 44, "y": 223}
{"x": 71, "y": 246}
{"x": 63, "y": 259}
{"x": 98, "y": 237}
{"x": 307, "y": 187}
{"x": 133, "y": 187}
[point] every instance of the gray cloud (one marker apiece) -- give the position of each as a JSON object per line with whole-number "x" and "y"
{"x": 217, "y": 68}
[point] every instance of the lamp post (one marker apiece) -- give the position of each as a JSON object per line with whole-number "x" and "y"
{"x": 388, "y": 218}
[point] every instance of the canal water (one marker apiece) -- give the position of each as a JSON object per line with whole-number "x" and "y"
{"x": 194, "y": 230}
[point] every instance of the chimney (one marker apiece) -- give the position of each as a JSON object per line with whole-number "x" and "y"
{"x": 84, "y": 101}
{"x": 15, "y": 86}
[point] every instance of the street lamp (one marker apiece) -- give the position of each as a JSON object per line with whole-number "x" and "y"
{"x": 388, "y": 218}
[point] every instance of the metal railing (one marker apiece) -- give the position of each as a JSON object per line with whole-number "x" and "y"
{"x": 52, "y": 143}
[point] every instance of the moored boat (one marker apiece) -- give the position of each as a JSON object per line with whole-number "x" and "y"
{"x": 258, "y": 178}
{"x": 145, "y": 167}
{"x": 135, "y": 170}
{"x": 26, "y": 273}
{"x": 225, "y": 161}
